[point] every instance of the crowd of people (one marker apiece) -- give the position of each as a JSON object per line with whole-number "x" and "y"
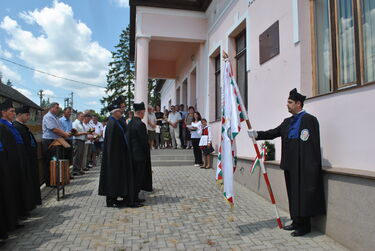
{"x": 180, "y": 129}
{"x": 84, "y": 135}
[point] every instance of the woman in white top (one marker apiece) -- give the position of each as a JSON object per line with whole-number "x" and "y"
{"x": 205, "y": 144}
{"x": 196, "y": 131}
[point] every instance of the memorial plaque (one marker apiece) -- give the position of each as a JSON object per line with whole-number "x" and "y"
{"x": 269, "y": 43}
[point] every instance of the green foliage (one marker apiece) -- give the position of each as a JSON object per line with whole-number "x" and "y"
{"x": 120, "y": 77}
{"x": 45, "y": 103}
{"x": 153, "y": 96}
{"x": 270, "y": 150}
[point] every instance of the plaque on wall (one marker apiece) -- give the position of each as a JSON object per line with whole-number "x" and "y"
{"x": 269, "y": 43}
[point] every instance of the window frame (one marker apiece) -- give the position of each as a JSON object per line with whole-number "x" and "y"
{"x": 239, "y": 54}
{"x": 336, "y": 85}
{"x": 217, "y": 73}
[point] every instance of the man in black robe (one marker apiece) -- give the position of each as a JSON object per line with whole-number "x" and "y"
{"x": 301, "y": 162}
{"x": 140, "y": 151}
{"x": 22, "y": 117}
{"x": 116, "y": 174}
{"x": 19, "y": 165}
{"x": 8, "y": 206}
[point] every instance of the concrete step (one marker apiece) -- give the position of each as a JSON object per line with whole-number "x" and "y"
{"x": 171, "y": 157}
{"x": 173, "y": 163}
{"x": 172, "y": 152}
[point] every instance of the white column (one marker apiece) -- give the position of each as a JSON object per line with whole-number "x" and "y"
{"x": 141, "y": 78}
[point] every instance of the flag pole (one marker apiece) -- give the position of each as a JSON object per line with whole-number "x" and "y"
{"x": 263, "y": 168}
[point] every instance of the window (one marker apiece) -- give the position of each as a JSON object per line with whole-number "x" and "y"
{"x": 345, "y": 40}
{"x": 368, "y": 31}
{"x": 217, "y": 87}
{"x": 241, "y": 65}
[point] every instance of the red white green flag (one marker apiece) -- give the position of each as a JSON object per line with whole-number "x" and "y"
{"x": 233, "y": 113}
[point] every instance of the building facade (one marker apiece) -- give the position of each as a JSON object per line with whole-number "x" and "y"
{"x": 324, "y": 48}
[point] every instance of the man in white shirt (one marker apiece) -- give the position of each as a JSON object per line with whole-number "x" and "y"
{"x": 78, "y": 145}
{"x": 89, "y": 128}
{"x": 151, "y": 126}
{"x": 173, "y": 120}
{"x": 98, "y": 138}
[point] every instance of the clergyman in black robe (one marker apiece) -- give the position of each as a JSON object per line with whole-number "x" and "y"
{"x": 8, "y": 206}
{"x": 301, "y": 162}
{"x": 140, "y": 150}
{"x": 116, "y": 174}
{"x": 22, "y": 117}
{"x": 17, "y": 162}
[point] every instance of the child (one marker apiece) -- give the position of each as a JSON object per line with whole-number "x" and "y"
{"x": 205, "y": 144}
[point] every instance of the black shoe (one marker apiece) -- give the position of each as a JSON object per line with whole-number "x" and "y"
{"x": 135, "y": 205}
{"x": 140, "y": 200}
{"x": 18, "y": 226}
{"x": 85, "y": 169}
{"x": 289, "y": 227}
{"x": 114, "y": 204}
{"x": 4, "y": 236}
{"x": 299, "y": 232}
{"x": 81, "y": 172}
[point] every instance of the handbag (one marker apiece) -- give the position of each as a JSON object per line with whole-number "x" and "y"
{"x": 207, "y": 150}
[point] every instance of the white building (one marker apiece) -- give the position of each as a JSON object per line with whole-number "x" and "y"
{"x": 324, "y": 48}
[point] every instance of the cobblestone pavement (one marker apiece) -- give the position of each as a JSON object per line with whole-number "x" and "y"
{"x": 185, "y": 212}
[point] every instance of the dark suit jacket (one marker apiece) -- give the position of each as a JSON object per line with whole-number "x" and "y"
{"x": 138, "y": 140}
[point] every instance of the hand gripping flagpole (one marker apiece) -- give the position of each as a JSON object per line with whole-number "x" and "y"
{"x": 263, "y": 168}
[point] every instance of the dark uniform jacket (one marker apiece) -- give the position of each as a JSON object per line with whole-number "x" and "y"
{"x": 8, "y": 205}
{"x": 116, "y": 174}
{"x": 301, "y": 161}
{"x": 32, "y": 158}
{"x": 141, "y": 153}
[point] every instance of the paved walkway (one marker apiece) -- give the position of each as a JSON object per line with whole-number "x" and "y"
{"x": 186, "y": 212}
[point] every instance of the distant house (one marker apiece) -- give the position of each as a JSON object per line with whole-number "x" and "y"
{"x": 19, "y": 100}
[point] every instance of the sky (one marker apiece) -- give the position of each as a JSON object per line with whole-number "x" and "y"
{"x": 67, "y": 38}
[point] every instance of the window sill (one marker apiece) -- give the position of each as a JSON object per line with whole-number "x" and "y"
{"x": 215, "y": 121}
{"x": 331, "y": 170}
{"x": 342, "y": 90}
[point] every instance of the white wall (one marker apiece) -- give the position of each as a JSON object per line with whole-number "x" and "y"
{"x": 346, "y": 118}
{"x": 168, "y": 92}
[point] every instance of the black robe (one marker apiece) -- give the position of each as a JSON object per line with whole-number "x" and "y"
{"x": 141, "y": 154}
{"x": 301, "y": 162}
{"x": 116, "y": 174}
{"x": 8, "y": 206}
{"x": 32, "y": 158}
{"x": 18, "y": 168}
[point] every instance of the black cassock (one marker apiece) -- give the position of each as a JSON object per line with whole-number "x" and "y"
{"x": 8, "y": 206}
{"x": 18, "y": 166}
{"x": 32, "y": 158}
{"x": 301, "y": 162}
{"x": 141, "y": 154}
{"x": 116, "y": 174}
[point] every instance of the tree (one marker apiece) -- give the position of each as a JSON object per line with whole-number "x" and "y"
{"x": 120, "y": 77}
{"x": 45, "y": 103}
{"x": 153, "y": 95}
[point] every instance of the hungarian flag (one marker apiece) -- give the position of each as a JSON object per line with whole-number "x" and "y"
{"x": 233, "y": 113}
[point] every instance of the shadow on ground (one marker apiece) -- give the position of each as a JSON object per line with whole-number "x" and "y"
{"x": 259, "y": 225}
{"x": 161, "y": 199}
{"x": 39, "y": 227}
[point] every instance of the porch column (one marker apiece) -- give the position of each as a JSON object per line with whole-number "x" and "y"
{"x": 141, "y": 78}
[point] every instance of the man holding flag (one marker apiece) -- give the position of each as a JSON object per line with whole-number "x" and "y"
{"x": 301, "y": 162}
